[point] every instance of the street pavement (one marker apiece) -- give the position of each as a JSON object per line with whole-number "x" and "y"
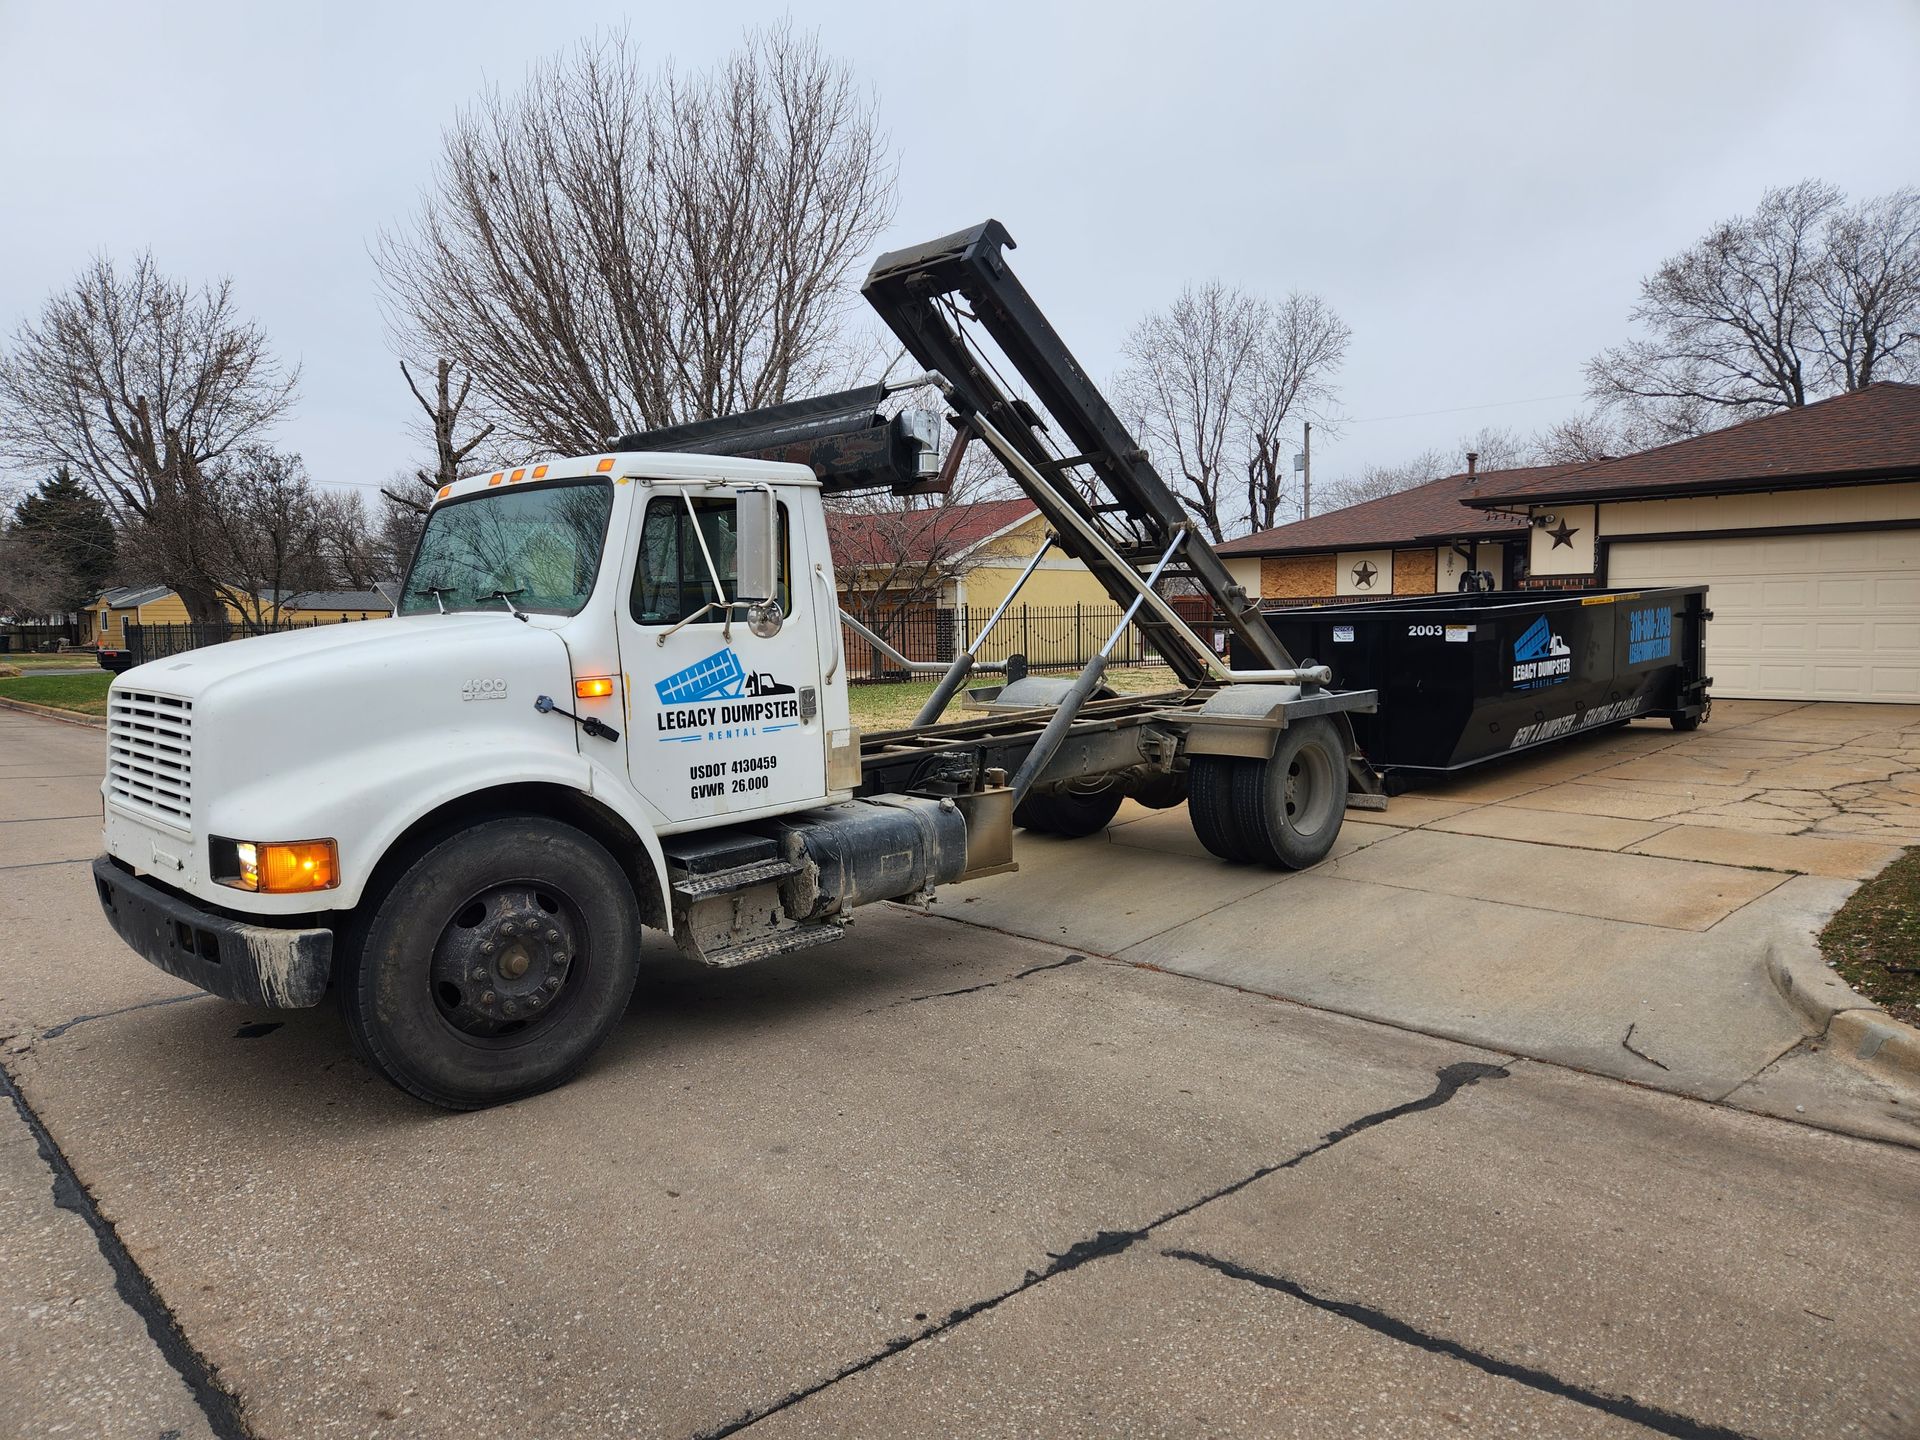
{"x": 944, "y": 1178}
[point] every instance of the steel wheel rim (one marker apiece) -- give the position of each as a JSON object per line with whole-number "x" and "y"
{"x": 1304, "y": 790}
{"x": 508, "y": 960}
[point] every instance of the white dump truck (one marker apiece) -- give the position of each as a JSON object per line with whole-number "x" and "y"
{"x": 614, "y": 696}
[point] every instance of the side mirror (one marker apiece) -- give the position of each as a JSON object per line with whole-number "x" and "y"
{"x": 756, "y": 545}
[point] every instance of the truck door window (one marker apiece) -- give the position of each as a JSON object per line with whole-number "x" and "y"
{"x": 670, "y": 582}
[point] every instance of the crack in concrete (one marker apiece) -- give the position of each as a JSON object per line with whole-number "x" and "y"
{"x": 1452, "y": 1079}
{"x": 65, "y": 1025}
{"x": 971, "y": 989}
{"x": 1623, "y": 1407}
{"x": 135, "y": 1289}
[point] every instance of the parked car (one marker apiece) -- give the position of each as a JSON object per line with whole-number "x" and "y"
{"x": 115, "y": 660}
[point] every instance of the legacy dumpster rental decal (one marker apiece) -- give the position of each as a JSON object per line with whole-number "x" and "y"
{"x": 1540, "y": 657}
{"x": 1649, "y": 635}
{"x": 1567, "y": 724}
{"x": 720, "y": 699}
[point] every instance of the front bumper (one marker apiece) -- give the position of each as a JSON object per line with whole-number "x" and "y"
{"x": 281, "y": 969}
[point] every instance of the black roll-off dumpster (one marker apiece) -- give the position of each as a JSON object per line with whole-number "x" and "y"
{"x": 1467, "y": 678}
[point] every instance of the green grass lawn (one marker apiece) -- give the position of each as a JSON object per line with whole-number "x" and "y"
{"x": 893, "y": 703}
{"x": 83, "y": 694}
{"x": 30, "y": 663}
{"x": 1874, "y": 942}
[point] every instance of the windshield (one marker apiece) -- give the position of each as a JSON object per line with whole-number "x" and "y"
{"x": 540, "y": 544}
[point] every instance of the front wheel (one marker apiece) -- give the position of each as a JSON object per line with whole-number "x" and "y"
{"x": 495, "y": 964}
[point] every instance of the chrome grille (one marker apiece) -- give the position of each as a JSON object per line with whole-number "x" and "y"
{"x": 150, "y": 755}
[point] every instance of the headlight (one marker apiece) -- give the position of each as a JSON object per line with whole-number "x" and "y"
{"x": 275, "y": 867}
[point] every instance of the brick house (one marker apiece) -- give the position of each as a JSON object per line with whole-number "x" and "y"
{"x": 1418, "y": 542}
{"x": 1805, "y": 524}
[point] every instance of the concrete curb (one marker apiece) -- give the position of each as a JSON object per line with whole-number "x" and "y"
{"x": 48, "y": 712}
{"x": 1852, "y": 1025}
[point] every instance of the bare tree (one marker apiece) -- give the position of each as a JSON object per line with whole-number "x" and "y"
{"x": 450, "y": 450}
{"x": 350, "y": 547}
{"x": 1868, "y": 318}
{"x": 1806, "y": 297}
{"x": 608, "y": 250}
{"x": 1375, "y": 482}
{"x": 1302, "y": 344}
{"x": 904, "y": 550}
{"x": 1216, "y": 383}
{"x": 138, "y": 384}
{"x": 1495, "y": 447}
{"x": 264, "y": 530}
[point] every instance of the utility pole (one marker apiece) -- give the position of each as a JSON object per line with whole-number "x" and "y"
{"x": 1303, "y": 462}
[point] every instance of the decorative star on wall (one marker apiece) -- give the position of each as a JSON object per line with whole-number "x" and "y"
{"x": 1563, "y": 534}
{"x": 1363, "y": 574}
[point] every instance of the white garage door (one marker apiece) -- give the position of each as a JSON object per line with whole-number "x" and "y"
{"x": 1798, "y": 617}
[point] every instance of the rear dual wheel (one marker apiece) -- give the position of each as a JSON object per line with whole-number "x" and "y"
{"x": 1283, "y": 811}
{"x": 1070, "y": 813}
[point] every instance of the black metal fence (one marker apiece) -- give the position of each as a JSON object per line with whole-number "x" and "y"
{"x": 155, "y": 642}
{"x": 31, "y": 639}
{"x": 1052, "y": 637}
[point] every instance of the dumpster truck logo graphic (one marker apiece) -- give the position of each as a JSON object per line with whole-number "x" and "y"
{"x": 718, "y": 698}
{"x": 1540, "y": 657}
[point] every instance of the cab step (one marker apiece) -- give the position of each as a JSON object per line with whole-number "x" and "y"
{"x": 765, "y": 947}
{"x": 688, "y": 886}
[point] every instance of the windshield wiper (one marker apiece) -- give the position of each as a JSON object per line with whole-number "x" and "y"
{"x": 505, "y": 597}
{"x": 436, "y": 591}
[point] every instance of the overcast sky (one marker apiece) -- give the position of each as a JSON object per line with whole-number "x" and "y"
{"x": 1476, "y": 188}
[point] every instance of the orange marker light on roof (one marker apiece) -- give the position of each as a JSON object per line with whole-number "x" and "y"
{"x": 518, "y": 476}
{"x": 498, "y": 476}
{"x": 593, "y": 687}
{"x": 443, "y": 491}
{"x": 604, "y": 466}
{"x": 494, "y": 481}
{"x": 539, "y": 471}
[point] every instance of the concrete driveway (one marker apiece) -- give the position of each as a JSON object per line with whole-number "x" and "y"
{"x": 1637, "y": 878}
{"x": 946, "y": 1179}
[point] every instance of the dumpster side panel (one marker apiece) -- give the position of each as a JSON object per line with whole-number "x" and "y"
{"x": 1471, "y": 677}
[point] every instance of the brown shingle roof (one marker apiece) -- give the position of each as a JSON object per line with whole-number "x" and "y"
{"x": 1427, "y": 514}
{"x": 933, "y": 533}
{"x": 1866, "y": 435}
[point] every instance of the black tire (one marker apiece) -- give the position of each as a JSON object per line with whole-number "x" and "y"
{"x": 1686, "y": 723}
{"x": 1289, "y": 808}
{"x": 459, "y": 1025}
{"x": 1162, "y": 792}
{"x": 1069, "y": 813}
{"x": 1210, "y": 807}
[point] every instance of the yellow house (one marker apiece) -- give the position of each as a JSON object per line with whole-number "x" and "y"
{"x": 954, "y": 557}
{"x": 107, "y": 617}
{"x": 111, "y": 611}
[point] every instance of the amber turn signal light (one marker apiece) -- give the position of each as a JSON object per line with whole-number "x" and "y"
{"x": 277, "y": 869}
{"x": 593, "y": 687}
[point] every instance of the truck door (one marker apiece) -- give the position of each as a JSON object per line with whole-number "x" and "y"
{"x": 725, "y": 724}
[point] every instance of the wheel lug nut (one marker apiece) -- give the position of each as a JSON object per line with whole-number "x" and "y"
{"x": 486, "y": 1001}
{"x": 553, "y": 982}
{"x": 487, "y": 947}
{"x": 533, "y": 1001}
{"x": 510, "y": 1007}
{"x": 507, "y": 927}
{"x": 479, "y": 972}
{"x": 553, "y": 934}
